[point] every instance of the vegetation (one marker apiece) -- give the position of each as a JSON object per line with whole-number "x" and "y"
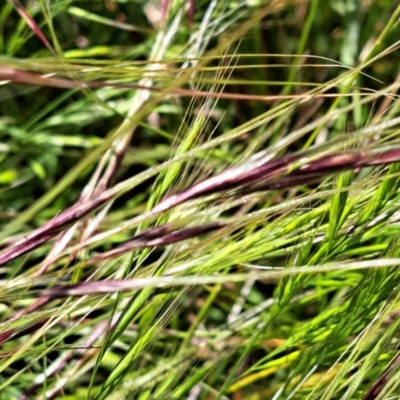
{"x": 199, "y": 200}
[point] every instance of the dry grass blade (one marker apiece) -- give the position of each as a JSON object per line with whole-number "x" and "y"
{"x": 32, "y": 24}
{"x": 267, "y": 175}
{"x": 49, "y": 230}
{"x": 160, "y": 236}
{"x": 379, "y": 385}
{"x": 280, "y": 169}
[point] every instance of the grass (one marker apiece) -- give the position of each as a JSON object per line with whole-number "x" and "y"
{"x": 199, "y": 203}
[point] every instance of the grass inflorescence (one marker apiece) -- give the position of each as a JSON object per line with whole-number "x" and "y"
{"x": 199, "y": 200}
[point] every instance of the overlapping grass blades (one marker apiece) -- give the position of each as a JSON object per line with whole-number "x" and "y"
{"x": 196, "y": 209}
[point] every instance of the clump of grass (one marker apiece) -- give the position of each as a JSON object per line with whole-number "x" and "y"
{"x": 199, "y": 205}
